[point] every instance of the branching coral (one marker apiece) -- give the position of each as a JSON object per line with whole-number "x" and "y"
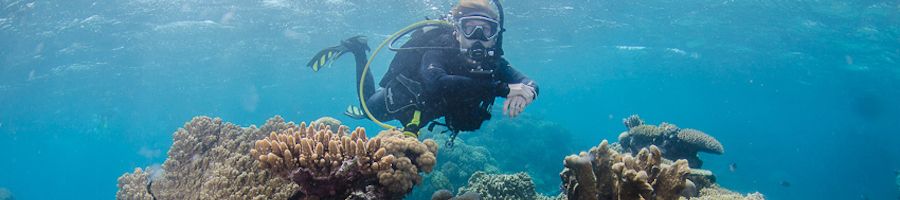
{"x": 209, "y": 159}
{"x": 502, "y": 186}
{"x": 606, "y": 174}
{"x": 130, "y": 187}
{"x": 675, "y": 143}
{"x": 329, "y": 165}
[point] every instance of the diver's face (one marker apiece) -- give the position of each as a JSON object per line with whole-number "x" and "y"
{"x": 468, "y": 26}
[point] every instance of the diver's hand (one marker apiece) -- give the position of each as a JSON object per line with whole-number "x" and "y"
{"x": 519, "y": 89}
{"x": 514, "y": 106}
{"x": 520, "y": 95}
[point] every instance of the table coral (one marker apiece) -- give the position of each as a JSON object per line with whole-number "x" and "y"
{"x": 674, "y": 142}
{"x": 603, "y": 173}
{"x": 209, "y": 159}
{"x": 335, "y": 165}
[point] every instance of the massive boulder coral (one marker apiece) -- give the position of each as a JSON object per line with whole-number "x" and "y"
{"x": 539, "y": 139}
{"x": 457, "y": 164}
{"x": 337, "y": 165}
{"x": 675, "y": 143}
{"x": 502, "y": 187}
{"x": 209, "y": 159}
{"x": 717, "y": 193}
{"x": 603, "y": 173}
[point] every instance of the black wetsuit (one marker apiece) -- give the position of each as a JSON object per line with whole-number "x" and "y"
{"x": 449, "y": 88}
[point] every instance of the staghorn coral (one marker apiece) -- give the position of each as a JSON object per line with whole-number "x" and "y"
{"x": 717, "y": 193}
{"x": 335, "y": 165}
{"x": 502, "y": 186}
{"x": 675, "y": 143}
{"x": 209, "y": 159}
{"x": 603, "y": 173}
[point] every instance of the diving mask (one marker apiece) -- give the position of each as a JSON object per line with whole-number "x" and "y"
{"x": 478, "y": 27}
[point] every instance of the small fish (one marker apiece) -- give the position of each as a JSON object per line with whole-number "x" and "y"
{"x": 732, "y": 167}
{"x": 785, "y": 184}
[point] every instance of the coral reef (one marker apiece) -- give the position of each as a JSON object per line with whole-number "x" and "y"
{"x": 702, "y": 178}
{"x": 606, "y": 174}
{"x": 335, "y": 165}
{"x": 457, "y": 164}
{"x": 335, "y": 124}
{"x": 447, "y": 195}
{"x": 675, "y": 143}
{"x": 6, "y": 194}
{"x": 502, "y": 186}
{"x": 209, "y": 159}
{"x": 717, "y": 193}
{"x": 534, "y": 139}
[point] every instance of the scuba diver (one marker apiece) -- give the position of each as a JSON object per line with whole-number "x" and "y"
{"x": 451, "y": 68}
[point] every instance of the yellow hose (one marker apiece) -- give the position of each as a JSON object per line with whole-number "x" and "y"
{"x": 396, "y": 35}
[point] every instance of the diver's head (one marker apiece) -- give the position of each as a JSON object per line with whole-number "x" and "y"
{"x": 477, "y": 27}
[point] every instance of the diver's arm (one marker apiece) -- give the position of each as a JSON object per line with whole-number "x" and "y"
{"x": 509, "y": 75}
{"x": 437, "y": 79}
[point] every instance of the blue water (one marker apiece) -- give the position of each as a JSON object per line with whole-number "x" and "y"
{"x": 800, "y": 91}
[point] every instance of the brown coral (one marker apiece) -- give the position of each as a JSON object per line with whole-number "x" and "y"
{"x": 718, "y": 193}
{"x": 700, "y": 140}
{"x": 633, "y": 121}
{"x": 502, "y": 187}
{"x": 675, "y": 143}
{"x": 209, "y": 160}
{"x": 606, "y": 174}
{"x": 332, "y": 165}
